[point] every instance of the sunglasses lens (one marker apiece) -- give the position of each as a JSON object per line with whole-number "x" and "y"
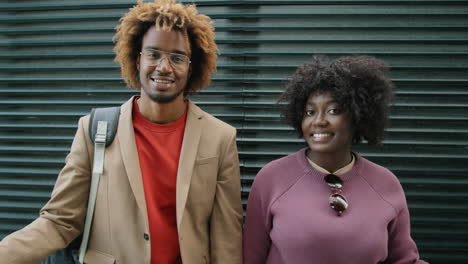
{"x": 334, "y": 181}
{"x": 338, "y": 202}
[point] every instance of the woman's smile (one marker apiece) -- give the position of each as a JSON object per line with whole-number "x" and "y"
{"x": 326, "y": 126}
{"x": 321, "y": 137}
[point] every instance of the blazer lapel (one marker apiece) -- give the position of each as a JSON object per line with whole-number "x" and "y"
{"x": 193, "y": 128}
{"x": 130, "y": 154}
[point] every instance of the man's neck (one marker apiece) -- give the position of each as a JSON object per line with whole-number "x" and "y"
{"x": 161, "y": 113}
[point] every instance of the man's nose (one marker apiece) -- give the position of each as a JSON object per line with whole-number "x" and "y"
{"x": 164, "y": 64}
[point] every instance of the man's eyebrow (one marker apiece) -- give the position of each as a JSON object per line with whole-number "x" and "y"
{"x": 174, "y": 51}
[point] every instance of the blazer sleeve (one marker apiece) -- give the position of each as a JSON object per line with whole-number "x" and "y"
{"x": 226, "y": 217}
{"x": 61, "y": 220}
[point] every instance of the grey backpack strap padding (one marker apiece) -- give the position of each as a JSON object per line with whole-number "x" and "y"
{"x": 98, "y": 168}
{"x": 102, "y": 129}
{"x": 109, "y": 114}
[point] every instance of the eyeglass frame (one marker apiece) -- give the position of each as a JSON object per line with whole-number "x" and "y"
{"x": 167, "y": 55}
{"x": 337, "y": 200}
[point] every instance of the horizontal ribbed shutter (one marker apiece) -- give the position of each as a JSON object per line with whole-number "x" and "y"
{"x": 56, "y": 63}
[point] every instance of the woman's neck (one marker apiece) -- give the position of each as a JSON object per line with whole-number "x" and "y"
{"x": 330, "y": 161}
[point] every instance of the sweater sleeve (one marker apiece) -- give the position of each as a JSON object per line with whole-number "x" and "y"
{"x": 256, "y": 239}
{"x": 401, "y": 247}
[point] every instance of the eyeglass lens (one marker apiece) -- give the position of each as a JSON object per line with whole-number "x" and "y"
{"x": 337, "y": 201}
{"x": 155, "y": 57}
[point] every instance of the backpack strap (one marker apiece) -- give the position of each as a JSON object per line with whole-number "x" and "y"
{"x": 109, "y": 114}
{"x": 102, "y": 130}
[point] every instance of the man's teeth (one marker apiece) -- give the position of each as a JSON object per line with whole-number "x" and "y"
{"x": 162, "y": 81}
{"x": 321, "y": 135}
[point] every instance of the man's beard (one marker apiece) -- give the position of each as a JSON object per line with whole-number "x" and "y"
{"x": 164, "y": 99}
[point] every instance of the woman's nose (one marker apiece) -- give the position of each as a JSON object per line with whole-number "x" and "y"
{"x": 319, "y": 120}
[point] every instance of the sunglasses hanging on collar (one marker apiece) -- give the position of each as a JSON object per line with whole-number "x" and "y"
{"x": 337, "y": 200}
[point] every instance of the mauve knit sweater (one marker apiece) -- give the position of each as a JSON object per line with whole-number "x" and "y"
{"x": 289, "y": 220}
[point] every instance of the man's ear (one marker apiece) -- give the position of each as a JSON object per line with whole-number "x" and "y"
{"x": 138, "y": 63}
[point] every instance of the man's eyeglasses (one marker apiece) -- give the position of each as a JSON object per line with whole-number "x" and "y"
{"x": 155, "y": 57}
{"x": 337, "y": 200}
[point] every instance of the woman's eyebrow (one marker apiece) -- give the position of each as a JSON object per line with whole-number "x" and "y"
{"x": 328, "y": 102}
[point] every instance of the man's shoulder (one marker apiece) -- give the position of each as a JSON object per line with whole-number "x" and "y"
{"x": 209, "y": 121}
{"x": 215, "y": 122}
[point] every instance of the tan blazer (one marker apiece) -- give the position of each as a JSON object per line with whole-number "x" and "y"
{"x": 209, "y": 210}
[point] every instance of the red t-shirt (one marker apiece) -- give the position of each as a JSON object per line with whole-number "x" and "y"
{"x": 159, "y": 151}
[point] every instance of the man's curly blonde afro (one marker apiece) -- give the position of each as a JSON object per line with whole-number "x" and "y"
{"x": 167, "y": 15}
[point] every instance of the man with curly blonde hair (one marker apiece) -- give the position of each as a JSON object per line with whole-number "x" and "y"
{"x": 170, "y": 191}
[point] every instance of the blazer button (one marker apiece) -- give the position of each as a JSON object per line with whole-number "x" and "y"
{"x": 146, "y": 236}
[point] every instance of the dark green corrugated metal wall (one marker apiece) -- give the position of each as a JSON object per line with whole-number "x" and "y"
{"x": 56, "y": 63}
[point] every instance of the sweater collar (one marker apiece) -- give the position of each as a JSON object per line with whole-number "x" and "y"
{"x": 341, "y": 170}
{"x": 319, "y": 175}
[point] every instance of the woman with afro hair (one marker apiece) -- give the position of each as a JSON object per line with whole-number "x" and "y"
{"x": 170, "y": 190}
{"x": 326, "y": 204}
